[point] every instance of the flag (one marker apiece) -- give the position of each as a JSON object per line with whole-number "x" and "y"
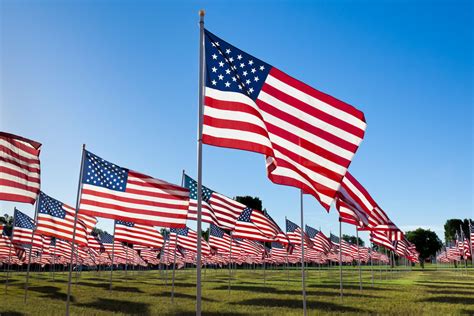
{"x": 294, "y": 232}
{"x": 308, "y": 137}
{"x": 23, "y": 227}
{"x": 138, "y": 234}
{"x": 114, "y": 192}
{"x": 187, "y": 238}
{"x": 471, "y": 233}
{"x": 253, "y": 224}
{"x": 56, "y": 219}
{"x": 219, "y": 239}
{"x": 278, "y": 250}
{"x": 381, "y": 238}
{"x": 19, "y": 168}
{"x": 216, "y": 208}
{"x": 320, "y": 241}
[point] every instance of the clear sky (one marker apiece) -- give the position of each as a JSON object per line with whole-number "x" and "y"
{"x": 121, "y": 76}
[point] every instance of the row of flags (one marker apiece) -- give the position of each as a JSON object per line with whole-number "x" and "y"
{"x": 138, "y": 202}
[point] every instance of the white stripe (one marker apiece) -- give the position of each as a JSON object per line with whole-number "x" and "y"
{"x": 11, "y": 190}
{"x": 18, "y": 150}
{"x": 237, "y": 134}
{"x": 234, "y": 116}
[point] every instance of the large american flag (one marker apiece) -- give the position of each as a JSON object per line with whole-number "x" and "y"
{"x": 138, "y": 234}
{"x": 216, "y": 208}
{"x": 320, "y": 241}
{"x": 253, "y": 224}
{"x": 308, "y": 137}
{"x": 56, "y": 219}
{"x": 294, "y": 232}
{"x": 219, "y": 239}
{"x": 23, "y": 227}
{"x": 19, "y": 168}
{"x": 111, "y": 191}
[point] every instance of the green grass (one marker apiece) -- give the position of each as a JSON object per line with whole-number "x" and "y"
{"x": 417, "y": 292}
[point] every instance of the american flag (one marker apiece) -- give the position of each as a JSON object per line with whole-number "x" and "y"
{"x": 471, "y": 233}
{"x": 308, "y": 137}
{"x": 251, "y": 247}
{"x": 23, "y": 227}
{"x": 138, "y": 234}
{"x": 381, "y": 238}
{"x": 321, "y": 242}
{"x": 350, "y": 214}
{"x": 56, "y": 219}
{"x": 401, "y": 247}
{"x": 19, "y": 168}
{"x": 253, "y": 224}
{"x": 187, "y": 238}
{"x": 278, "y": 250}
{"x": 114, "y": 192}
{"x": 293, "y": 232}
{"x": 216, "y": 208}
{"x": 219, "y": 239}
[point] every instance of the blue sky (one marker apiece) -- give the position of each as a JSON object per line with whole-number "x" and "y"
{"x": 121, "y": 76}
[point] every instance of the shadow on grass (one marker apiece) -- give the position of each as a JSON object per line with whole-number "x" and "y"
{"x": 11, "y": 313}
{"x": 51, "y": 292}
{"x": 450, "y": 299}
{"x": 443, "y": 287}
{"x": 258, "y": 289}
{"x": 346, "y": 286}
{"x": 326, "y": 293}
{"x": 181, "y": 295}
{"x": 452, "y": 292}
{"x": 450, "y": 283}
{"x": 118, "y": 288}
{"x": 211, "y": 314}
{"x": 118, "y": 306}
{"x": 467, "y": 312}
{"x": 293, "y": 303}
{"x": 9, "y": 281}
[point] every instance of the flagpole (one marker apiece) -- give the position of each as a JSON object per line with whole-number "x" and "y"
{"x": 230, "y": 260}
{"x": 302, "y": 254}
{"x": 202, "y": 62}
{"x": 372, "y": 264}
{"x": 358, "y": 256}
{"x": 31, "y": 250}
{"x": 113, "y": 254}
{"x": 79, "y": 189}
{"x": 174, "y": 267}
{"x": 340, "y": 257}
{"x": 9, "y": 263}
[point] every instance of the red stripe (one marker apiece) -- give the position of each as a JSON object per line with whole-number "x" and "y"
{"x": 14, "y": 173}
{"x": 234, "y": 125}
{"x": 274, "y": 72}
{"x": 236, "y": 144}
{"x": 12, "y": 158}
{"x": 16, "y": 198}
{"x": 232, "y": 106}
{"x": 28, "y": 148}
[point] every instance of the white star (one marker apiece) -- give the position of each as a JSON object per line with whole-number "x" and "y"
{"x": 221, "y": 64}
{"x": 251, "y": 90}
{"x": 256, "y": 79}
{"x": 242, "y": 65}
{"x": 253, "y": 70}
{"x": 227, "y": 71}
{"x": 250, "y": 62}
{"x": 234, "y": 79}
{"x": 239, "y": 57}
{"x": 247, "y": 81}
{"x": 227, "y": 51}
{"x": 227, "y": 84}
{"x": 231, "y": 59}
{"x": 214, "y": 56}
{"x": 240, "y": 87}
{"x": 213, "y": 83}
{"x": 220, "y": 77}
{"x": 262, "y": 67}
{"x": 244, "y": 73}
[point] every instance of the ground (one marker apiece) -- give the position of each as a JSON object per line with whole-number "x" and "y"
{"x": 429, "y": 292}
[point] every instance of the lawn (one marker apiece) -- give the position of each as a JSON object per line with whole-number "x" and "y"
{"x": 416, "y": 292}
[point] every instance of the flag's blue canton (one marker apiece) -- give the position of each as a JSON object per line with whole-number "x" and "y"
{"x": 230, "y": 69}
{"x": 180, "y": 231}
{"x": 277, "y": 245}
{"x": 334, "y": 238}
{"x": 129, "y": 224}
{"x": 245, "y": 215}
{"x": 102, "y": 173}
{"x": 106, "y": 238}
{"x": 23, "y": 221}
{"x": 48, "y": 205}
{"x": 191, "y": 185}
{"x": 216, "y": 231}
{"x": 291, "y": 227}
{"x": 312, "y": 232}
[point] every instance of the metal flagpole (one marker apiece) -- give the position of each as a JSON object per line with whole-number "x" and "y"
{"x": 302, "y": 254}
{"x": 230, "y": 261}
{"x": 202, "y": 62}
{"x": 29, "y": 254}
{"x": 54, "y": 259}
{"x": 8, "y": 267}
{"x": 358, "y": 256}
{"x": 372, "y": 264}
{"x": 174, "y": 267}
{"x": 79, "y": 189}
{"x": 113, "y": 254}
{"x": 340, "y": 257}
{"x": 126, "y": 261}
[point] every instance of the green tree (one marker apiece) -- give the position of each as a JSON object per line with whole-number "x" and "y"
{"x": 252, "y": 202}
{"x": 427, "y": 243}
{"x": 353, "y": 240}
{"x": 451, "y": 227}
{"x": 97, "y": 231}
{"x": 7, "y": 220}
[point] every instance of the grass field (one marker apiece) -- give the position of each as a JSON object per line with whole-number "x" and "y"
{"x": 417, "y": 292}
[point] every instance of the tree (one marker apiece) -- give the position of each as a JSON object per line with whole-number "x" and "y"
{"x": 427, "y": 243}
{"x": 7, "y": 220}
{"x": 97, "y": 231}
{"x": 252, "y": 202}
{"x": 353, "y": 240}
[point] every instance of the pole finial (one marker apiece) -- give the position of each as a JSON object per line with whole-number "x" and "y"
{"x": 202, "y": 13}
